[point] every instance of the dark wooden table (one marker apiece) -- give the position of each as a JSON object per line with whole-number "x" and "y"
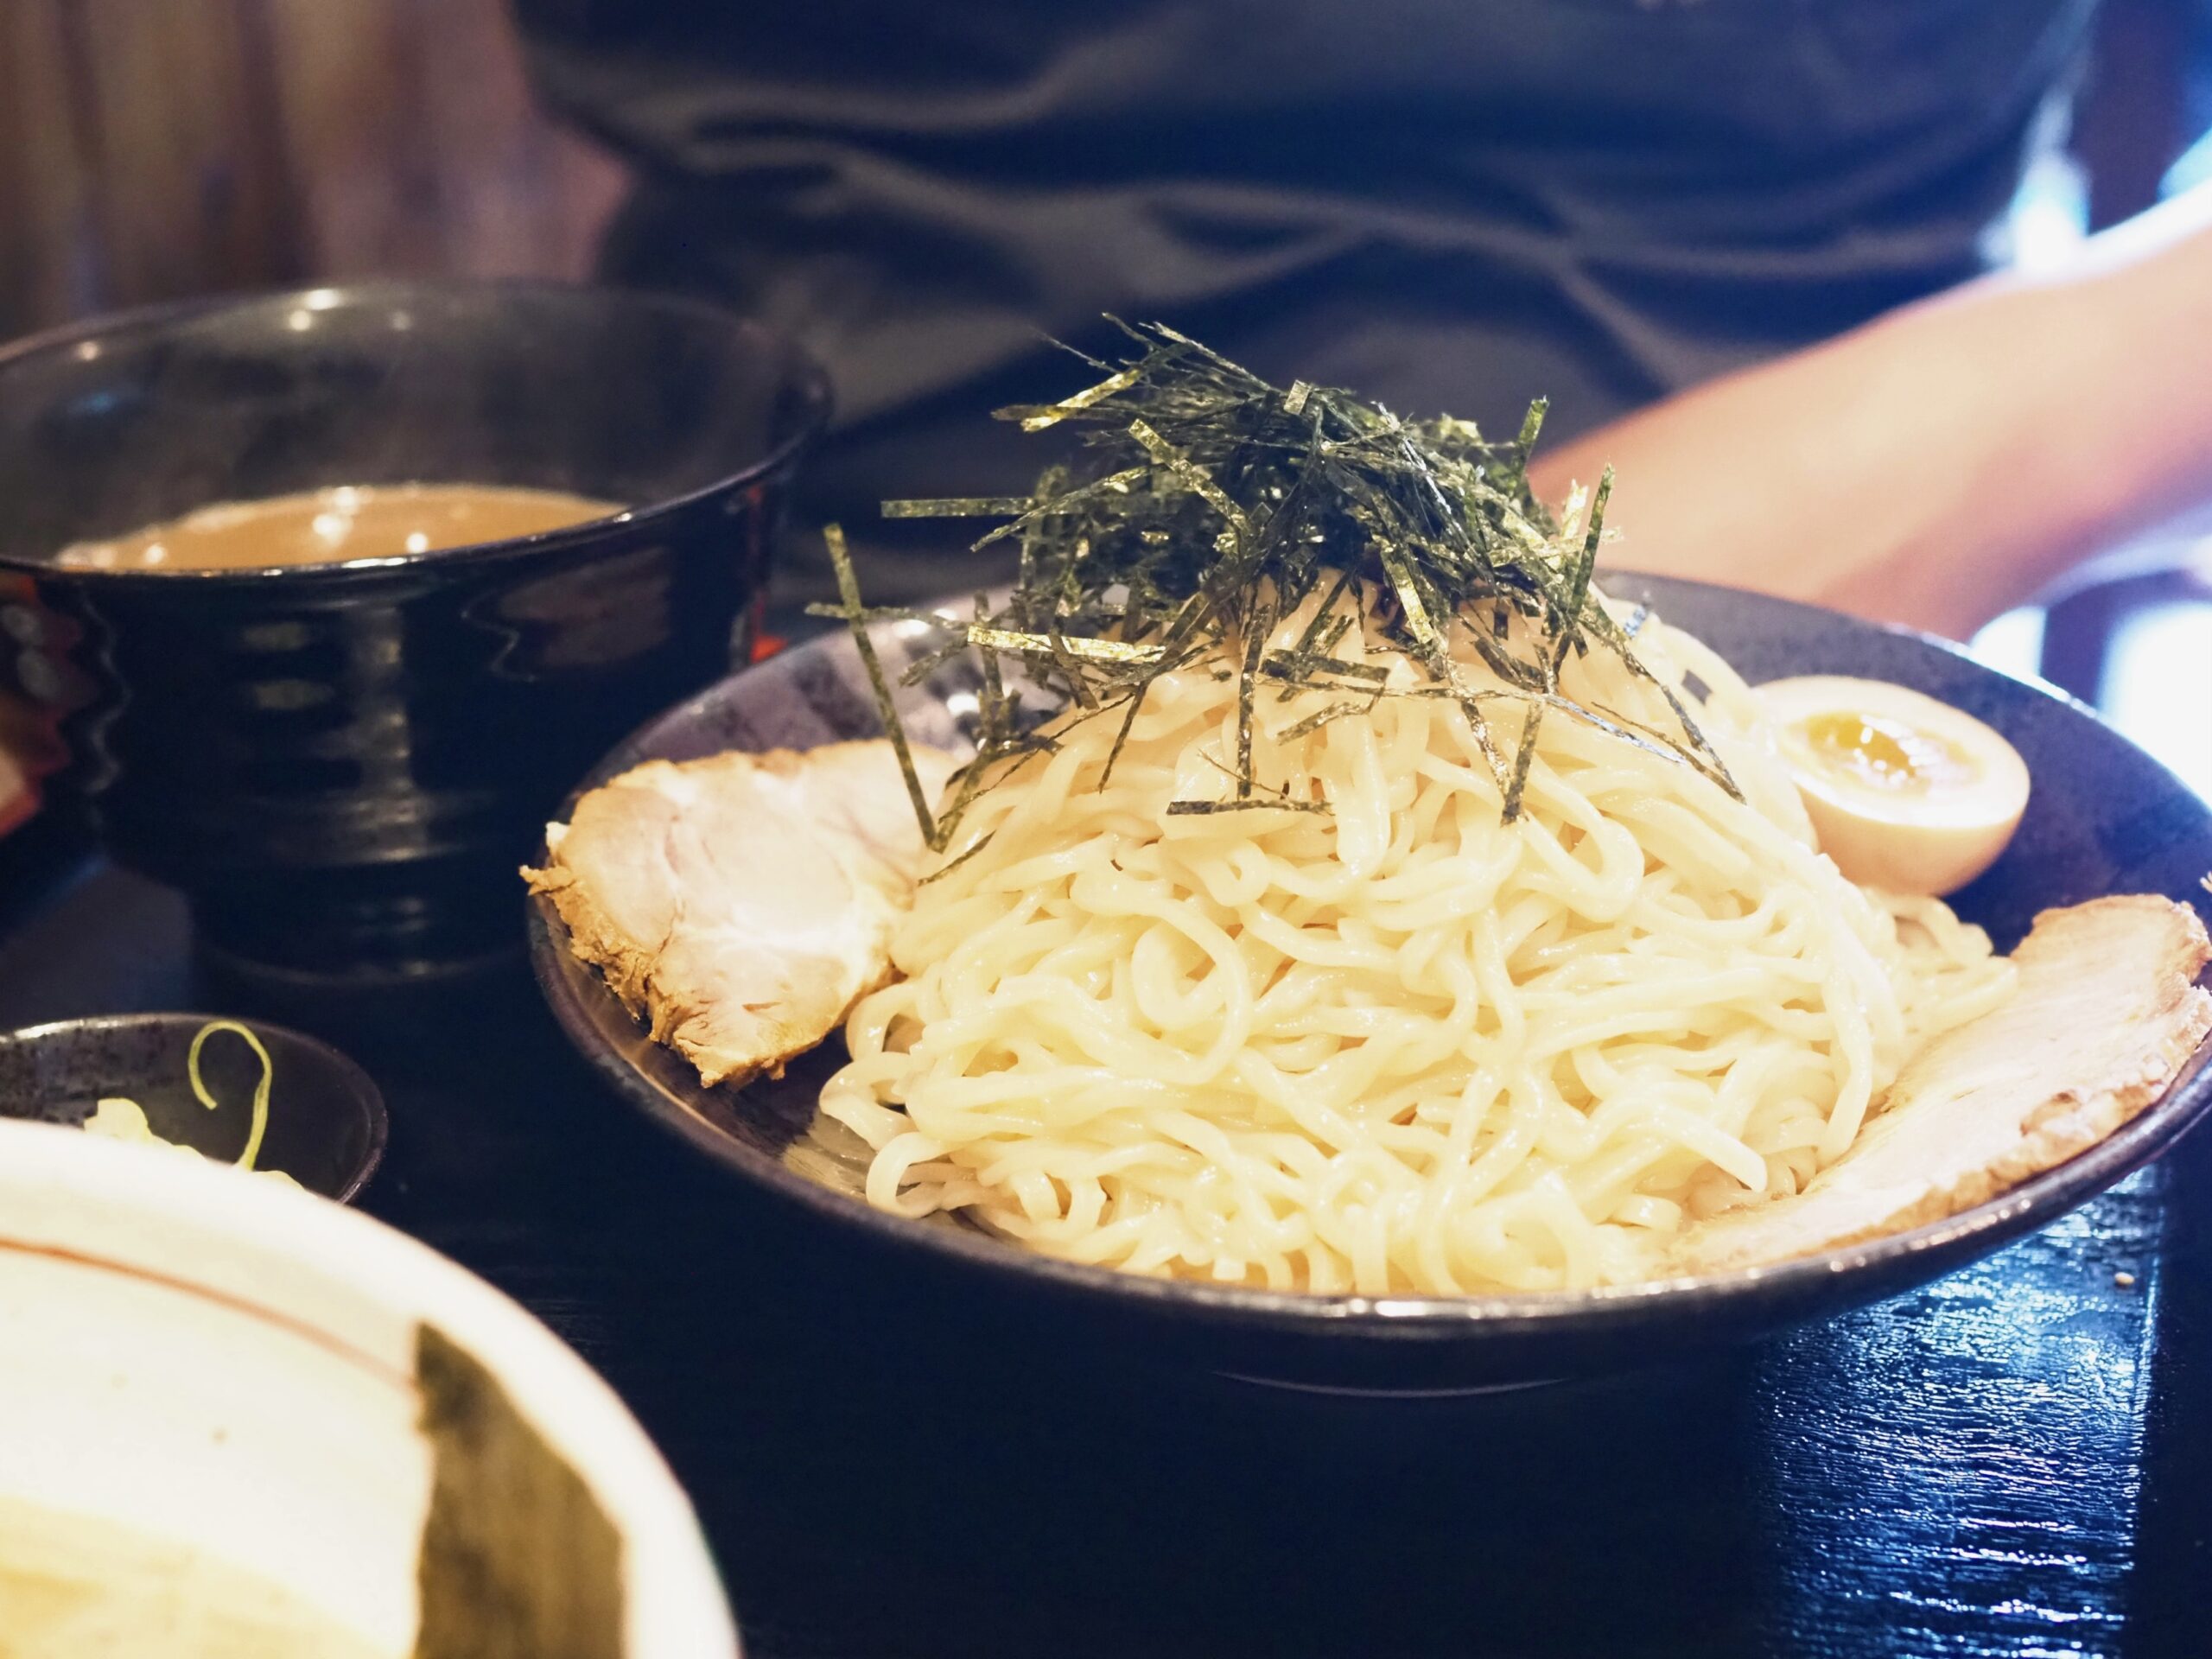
{"x": 2017, "y": 1460}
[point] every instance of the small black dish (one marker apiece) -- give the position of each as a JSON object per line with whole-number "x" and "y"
{"x": 327, "y": 1121}
{"x": 341, "y": 764}
{"x": 2103, "y": 818}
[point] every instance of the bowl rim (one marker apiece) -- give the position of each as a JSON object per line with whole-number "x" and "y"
{"x": 359, "y": 1084}
{"x": 1895, "y": 1260}
{"x": 804, "y": 371}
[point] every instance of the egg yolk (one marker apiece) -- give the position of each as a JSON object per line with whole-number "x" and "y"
{"x": 1885, "y": 754}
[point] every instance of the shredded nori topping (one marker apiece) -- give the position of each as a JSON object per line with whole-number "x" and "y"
{"x": 1207, "y": 506}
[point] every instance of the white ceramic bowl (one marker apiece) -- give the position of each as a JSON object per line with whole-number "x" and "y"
{"x": 216, "y": 1360}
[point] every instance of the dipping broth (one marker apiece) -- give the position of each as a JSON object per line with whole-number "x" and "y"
{"x": 72, "y": 1588}
{"x": 329, "y": 526}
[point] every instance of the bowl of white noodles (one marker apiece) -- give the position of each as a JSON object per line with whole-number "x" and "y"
{"x": 1316, "y": 922}
{"x": 2104, "y": 818}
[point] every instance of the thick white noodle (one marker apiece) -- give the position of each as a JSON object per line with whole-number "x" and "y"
{"x": 1404, "y": 1045}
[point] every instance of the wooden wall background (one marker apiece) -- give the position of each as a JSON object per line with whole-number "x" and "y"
{"x": 150, "y": 149}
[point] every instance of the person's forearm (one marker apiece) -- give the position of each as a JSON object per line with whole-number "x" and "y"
{"x": 1944, "y": 462}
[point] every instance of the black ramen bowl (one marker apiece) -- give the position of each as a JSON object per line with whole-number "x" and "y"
{"x": 2103, "y": 818}
{"x": 341, "y": 764}
{"x": 327, "y": 1122}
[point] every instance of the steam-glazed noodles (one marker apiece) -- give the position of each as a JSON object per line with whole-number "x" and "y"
{"x": 1403, "y": 1044}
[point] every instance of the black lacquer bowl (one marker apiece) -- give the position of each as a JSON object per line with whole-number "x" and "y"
{"x": 2104, "y": 818}
{"x": 342, "y": 764}
{"x": 327, "y": 1121}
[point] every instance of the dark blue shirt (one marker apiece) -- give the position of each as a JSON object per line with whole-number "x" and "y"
{"x": 1447, "y": 204}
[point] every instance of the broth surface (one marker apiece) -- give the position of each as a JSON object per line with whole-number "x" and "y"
{"x": 325, "y": 526}
{"x": 72, "y": 1588}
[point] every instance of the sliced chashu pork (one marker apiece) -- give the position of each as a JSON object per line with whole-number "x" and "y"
{"x": 741, "y": 904}
{"x": 2106, "y": 1013}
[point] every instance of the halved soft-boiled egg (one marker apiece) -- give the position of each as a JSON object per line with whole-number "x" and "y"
{"x": 1905, "y": 793}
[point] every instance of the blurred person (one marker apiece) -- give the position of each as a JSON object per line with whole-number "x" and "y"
{"x": 1744, "y": 248}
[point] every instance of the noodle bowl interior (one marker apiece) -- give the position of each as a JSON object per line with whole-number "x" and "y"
{"x": 74, "y": 1587}
{"x": 1404, "y": 1044}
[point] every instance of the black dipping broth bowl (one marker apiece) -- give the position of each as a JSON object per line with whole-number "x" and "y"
{"x": 2103, "y": 817}
{"x": 327, "y": 1122}
{"x": 342, "y": 764}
